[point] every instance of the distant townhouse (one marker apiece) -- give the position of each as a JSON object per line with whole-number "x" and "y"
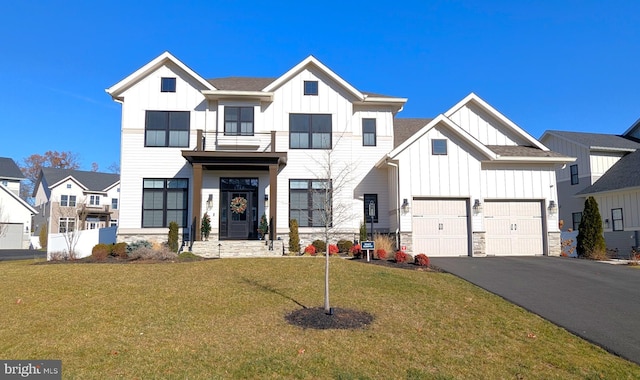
{"x": 69, "y": 200}
{"x": 468, "y": 182}
{"x": 15, "y": 213}
{"x": 607, "y": 168}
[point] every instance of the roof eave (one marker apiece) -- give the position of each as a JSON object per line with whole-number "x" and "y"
{"x": 532, "y": 159}
{"x": 226, "y": 94}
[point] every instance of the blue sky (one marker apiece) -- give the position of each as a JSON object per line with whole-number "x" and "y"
{"x": 568, "y": 65}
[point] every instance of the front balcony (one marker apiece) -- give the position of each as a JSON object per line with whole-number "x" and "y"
{"x": 262, "y": 142}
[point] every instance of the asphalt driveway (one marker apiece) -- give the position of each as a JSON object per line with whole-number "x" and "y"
{"x": 21, "y": 254}
{"x": 596, "y": 301}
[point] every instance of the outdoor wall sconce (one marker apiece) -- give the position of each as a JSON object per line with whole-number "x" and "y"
{"x": 477, "y": 207}
{"x": 405, "y": 204}
{"x": 553, "y": 208}
{"x": 606, "y": 223}
{"x": 210, "y": 202}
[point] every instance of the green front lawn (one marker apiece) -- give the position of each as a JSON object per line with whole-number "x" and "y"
{"x": 225, "y": 319}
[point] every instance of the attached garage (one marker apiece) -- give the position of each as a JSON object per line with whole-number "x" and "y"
{"x": 440, "y": 227}
{"x": 11, "y": 235}
{"x": 513, "y": 228}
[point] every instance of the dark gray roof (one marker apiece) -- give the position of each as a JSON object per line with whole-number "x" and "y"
{"x": 623, "y": 174}
{"x": 94, "y": 181}
{"x": 598, "y": 140}
{"x": 403, "y": 128}
{"x": 9, "y": 169}
{"x": 241, "y": 83}
{"x": 522, "y": 151}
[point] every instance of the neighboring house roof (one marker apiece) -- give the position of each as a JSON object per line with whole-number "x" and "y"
{"x": 622, "y": 175}
{"x": 596, "y": 141}
{"x": 21, "y": 201}
{"x": 403, "y": 128}
{"x": 91, "y": 181}
{"x": 9, "y": 169}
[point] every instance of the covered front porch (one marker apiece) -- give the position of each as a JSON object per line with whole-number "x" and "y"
{"x": 235, "y": 188}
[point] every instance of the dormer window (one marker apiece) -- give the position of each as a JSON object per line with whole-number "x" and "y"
{"x": 168, "y": 85}
{"x": 311, "y": 87}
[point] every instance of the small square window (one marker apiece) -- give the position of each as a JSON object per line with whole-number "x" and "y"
{"x": 68, "y": 185}
{"x": 311, "y": 87}
{"x": 168, "y": 85}
{"x": 439, "y": 147}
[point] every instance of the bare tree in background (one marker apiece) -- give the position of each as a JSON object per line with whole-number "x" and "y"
{"x": 32, "y": 165}
{"x": 70, "y": 229}
{"x": 114, "y": 168}
{"x": 3, "y": 225}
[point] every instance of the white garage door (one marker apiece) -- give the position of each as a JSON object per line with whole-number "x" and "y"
{"x": 513, "y": 228}
{"x": 440, "y": 227}
{"x": 11, "y": 236}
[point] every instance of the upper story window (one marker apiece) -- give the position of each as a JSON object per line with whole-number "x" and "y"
{"x": 94, "y": 200}
{"x": 369, "y": 132}
{"x": 576, "y": 218}
{"x": 309, "y": 131}
{"x": 238, "y": 121}
{"x": 311, "y": 87}
{"x": 168, "y": 85}
{"x": 574, "y": 174}
{"x": 439, "y": 147}
{"x": 167, "y": 128}
{"x": 68, "y": 200}
{"x": 114, "y": 203}
{"x": 68, "y": 185}
{"x": 5, "y": 182}
{"x": 618, "y": 222}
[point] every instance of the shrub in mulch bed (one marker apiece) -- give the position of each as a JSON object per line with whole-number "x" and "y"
{"x": 317, "y": 318}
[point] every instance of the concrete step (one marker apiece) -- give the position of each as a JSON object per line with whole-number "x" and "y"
{"x": 236, "y": 248}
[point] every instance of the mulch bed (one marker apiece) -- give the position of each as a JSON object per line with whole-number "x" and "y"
{"x": 393, "y": 264}
{"x": 317, "y": 318}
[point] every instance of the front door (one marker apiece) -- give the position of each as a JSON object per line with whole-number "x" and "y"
{"x": 239, "y": 215}
{"x": 238, "y": 208}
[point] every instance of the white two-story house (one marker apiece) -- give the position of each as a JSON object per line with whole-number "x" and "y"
{"x": 238, "y": 148}
{"x": 15, "y": 213}
{"x": 69, "y": 200}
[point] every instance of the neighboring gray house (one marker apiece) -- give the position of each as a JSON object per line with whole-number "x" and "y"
{"x": 74, "y": 199}
{"x": 607, "y": 168}
{"x": 15, "y": 213}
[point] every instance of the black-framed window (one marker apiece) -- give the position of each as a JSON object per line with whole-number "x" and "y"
{"x": 310, "y": 202}
{"x": 576, "y": 218}
{"x": 311, "y": 87}
{"x": 369, "y": 132}
{"x": 616, "y": 218}
{"x": 167, "y": 129}
{"x": 439, "y": 147}
{"x": 309, "y": 131}
{"x": 238, "y": 121}
{"x": 574, "y": 174}
{"x": 66, "y": 225}
{"x": 168, "y": 84}
{"x": 368, "y": 198}
{"x": 164, "y": 201}
{"x": 114, "y": 203}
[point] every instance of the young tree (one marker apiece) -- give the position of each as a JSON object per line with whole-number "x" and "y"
{"x": 590, "y": 240}
{"x": 68, "y": 225}
{"x": 173, "y": 237}
{"x": 294, "y": 238}
{"x": 31, "y": 166}
{"x": 330, "y": 208}
{"x": 205, "y": 228}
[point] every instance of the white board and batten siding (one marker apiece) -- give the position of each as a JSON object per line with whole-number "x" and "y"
{"x": 440, "y": 227}
{"x": 513, "y": 228}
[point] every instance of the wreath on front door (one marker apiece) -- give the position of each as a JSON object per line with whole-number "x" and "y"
{"x": 238, "y": 205}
